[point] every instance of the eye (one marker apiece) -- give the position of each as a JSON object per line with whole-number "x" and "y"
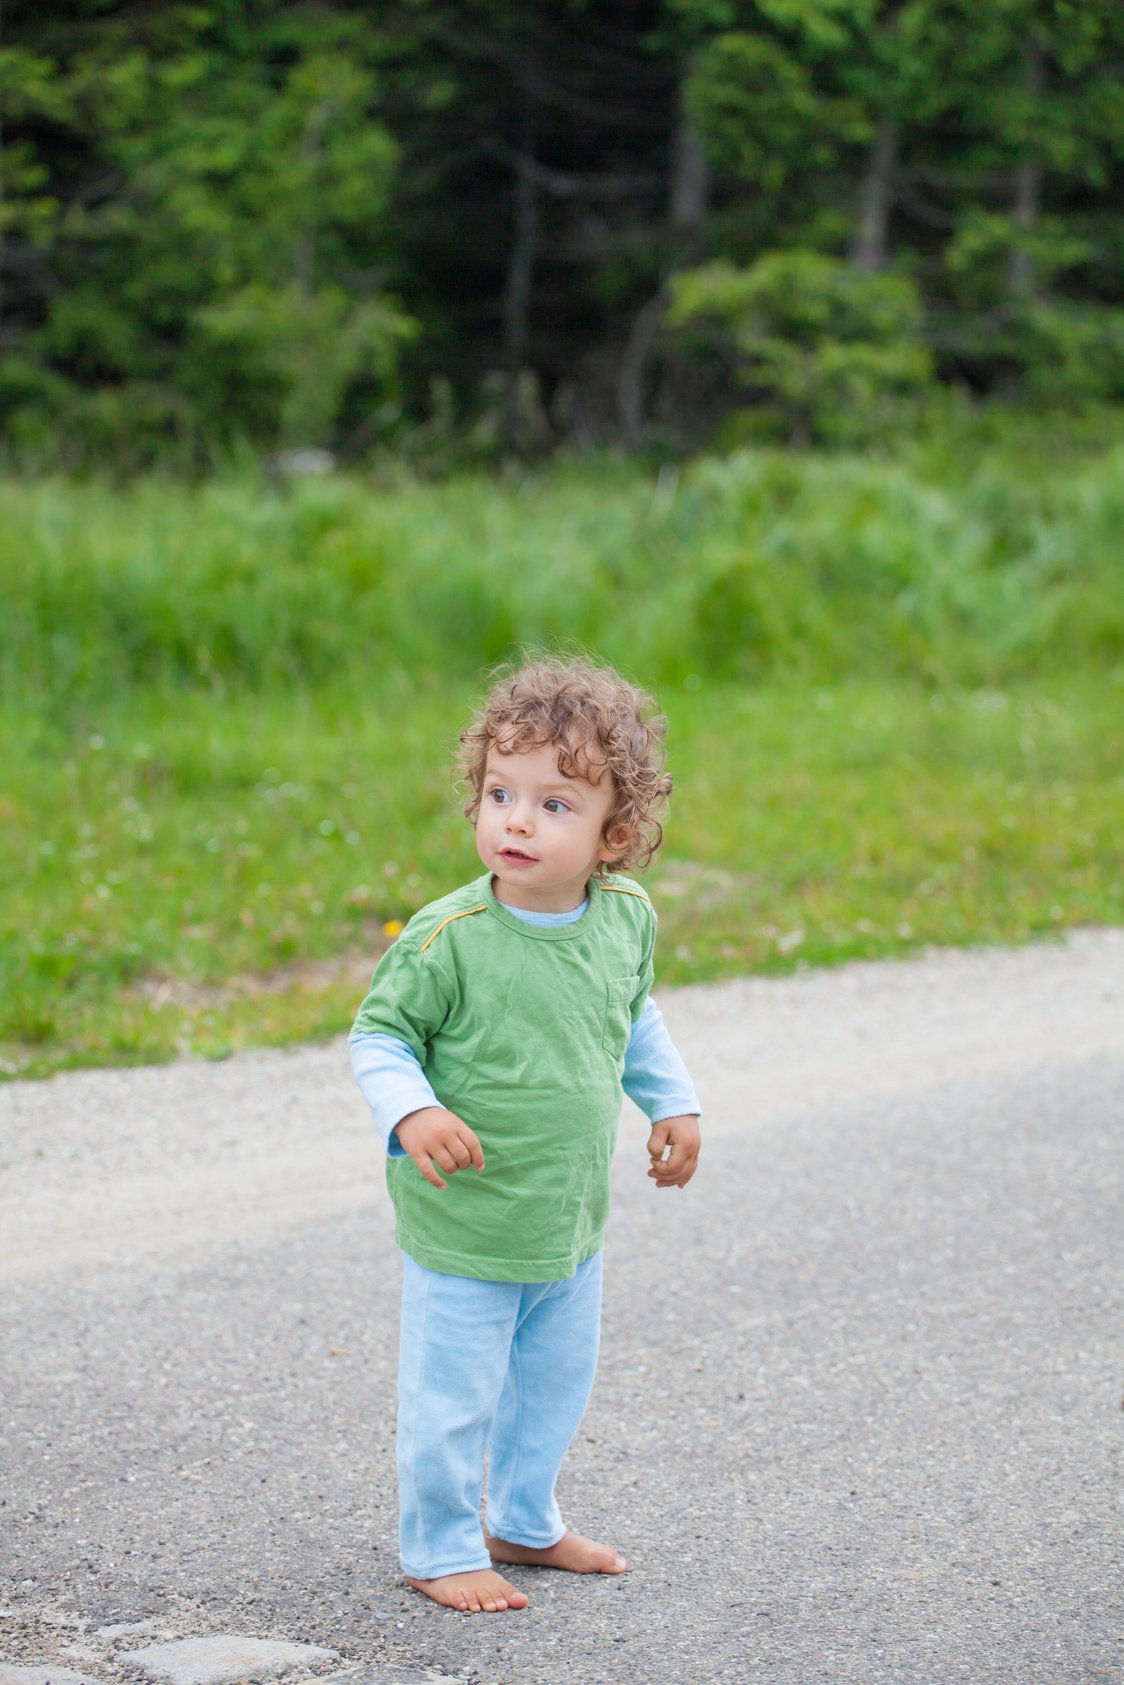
{"x": 498, "y": 795}
{"x": 554, "y": 804}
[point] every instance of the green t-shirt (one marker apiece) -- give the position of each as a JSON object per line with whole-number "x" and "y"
{"x": 521, "y": 1030}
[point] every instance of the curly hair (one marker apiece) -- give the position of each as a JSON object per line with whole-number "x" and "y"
{"x": 599, "y": 723}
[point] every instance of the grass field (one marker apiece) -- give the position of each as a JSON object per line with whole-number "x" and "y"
{"x": 172, "y": 852}
{"x": 225, "y": 763}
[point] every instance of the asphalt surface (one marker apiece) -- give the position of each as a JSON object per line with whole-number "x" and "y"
{"x": 859, "y": 1414}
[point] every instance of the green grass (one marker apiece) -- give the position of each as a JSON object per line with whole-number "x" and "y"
{"x": 183, "y": 843}
{"x": 227, "y": 714}
{"x": 969, "y": 570}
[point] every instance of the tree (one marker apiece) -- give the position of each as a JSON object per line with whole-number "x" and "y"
{"x": 830, "y": 354}
{"x": 313, "y": 221}
{"x": 215, "y": 268}
{"x": 1034, "y": 256}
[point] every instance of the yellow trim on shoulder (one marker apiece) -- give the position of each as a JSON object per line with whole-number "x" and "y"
{"x": 619, "y": 889}
{"x": 433, "y": 935}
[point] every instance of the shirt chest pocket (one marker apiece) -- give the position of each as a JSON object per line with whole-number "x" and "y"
{"x": 617, "y": 1026}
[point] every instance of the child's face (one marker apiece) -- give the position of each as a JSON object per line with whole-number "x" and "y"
{"x": 540, "y": 832}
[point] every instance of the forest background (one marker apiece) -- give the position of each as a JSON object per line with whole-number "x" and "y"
{"x": 773, "y": 350}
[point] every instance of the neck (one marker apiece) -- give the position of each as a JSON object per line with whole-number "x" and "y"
{"x": 549, "y": 903}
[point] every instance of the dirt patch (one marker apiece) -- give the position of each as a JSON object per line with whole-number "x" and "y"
{"x": 353, "y": 967}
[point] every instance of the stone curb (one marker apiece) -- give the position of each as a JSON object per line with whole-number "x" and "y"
{"x": 223, "y": 1659}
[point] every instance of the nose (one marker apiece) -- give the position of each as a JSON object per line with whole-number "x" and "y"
{"x": 519, "y": 818}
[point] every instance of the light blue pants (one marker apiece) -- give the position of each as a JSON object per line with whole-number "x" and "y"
{"x": 499, "y": 1364}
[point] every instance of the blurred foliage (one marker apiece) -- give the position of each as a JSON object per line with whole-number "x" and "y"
{"x": 213, "y": 274}
{"x": 455, "y": 224}
{"x": 830, "y": 354}
{"x": 971, "y": 556}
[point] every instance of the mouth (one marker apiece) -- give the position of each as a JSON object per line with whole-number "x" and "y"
{"x": 516, "y": 857}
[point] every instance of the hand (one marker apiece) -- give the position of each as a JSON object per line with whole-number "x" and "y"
{"x": 679, "y": 1138}
{"x": 436, "y": 1138}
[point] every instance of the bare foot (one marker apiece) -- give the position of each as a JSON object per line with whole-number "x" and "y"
{"x": 481, "y": 1592}
{"x": 580, "y": 1556}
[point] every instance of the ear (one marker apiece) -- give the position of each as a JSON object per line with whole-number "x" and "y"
{"x": 615, "y": 842}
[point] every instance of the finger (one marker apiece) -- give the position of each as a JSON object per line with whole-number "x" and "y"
{"x": 475, "y": 1150}
{"x": 676, "y": 1159}
{"x": 425, "y": 1165}
{"x": 665, "y": 1176}
{"x": 459, "y": 1151}
{"x": 657, "y": 1140}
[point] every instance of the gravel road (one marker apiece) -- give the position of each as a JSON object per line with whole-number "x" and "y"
{"x": 859, "y": 1411}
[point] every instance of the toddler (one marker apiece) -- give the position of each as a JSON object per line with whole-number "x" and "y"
{"x": 492, "y": 1049}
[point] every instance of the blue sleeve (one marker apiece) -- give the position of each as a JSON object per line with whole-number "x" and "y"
{"x": 655, "y": 1077}
{"x": 392, "y": 1082}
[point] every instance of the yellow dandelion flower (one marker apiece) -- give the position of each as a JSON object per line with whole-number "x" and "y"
{"x": 393, "y": 928}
